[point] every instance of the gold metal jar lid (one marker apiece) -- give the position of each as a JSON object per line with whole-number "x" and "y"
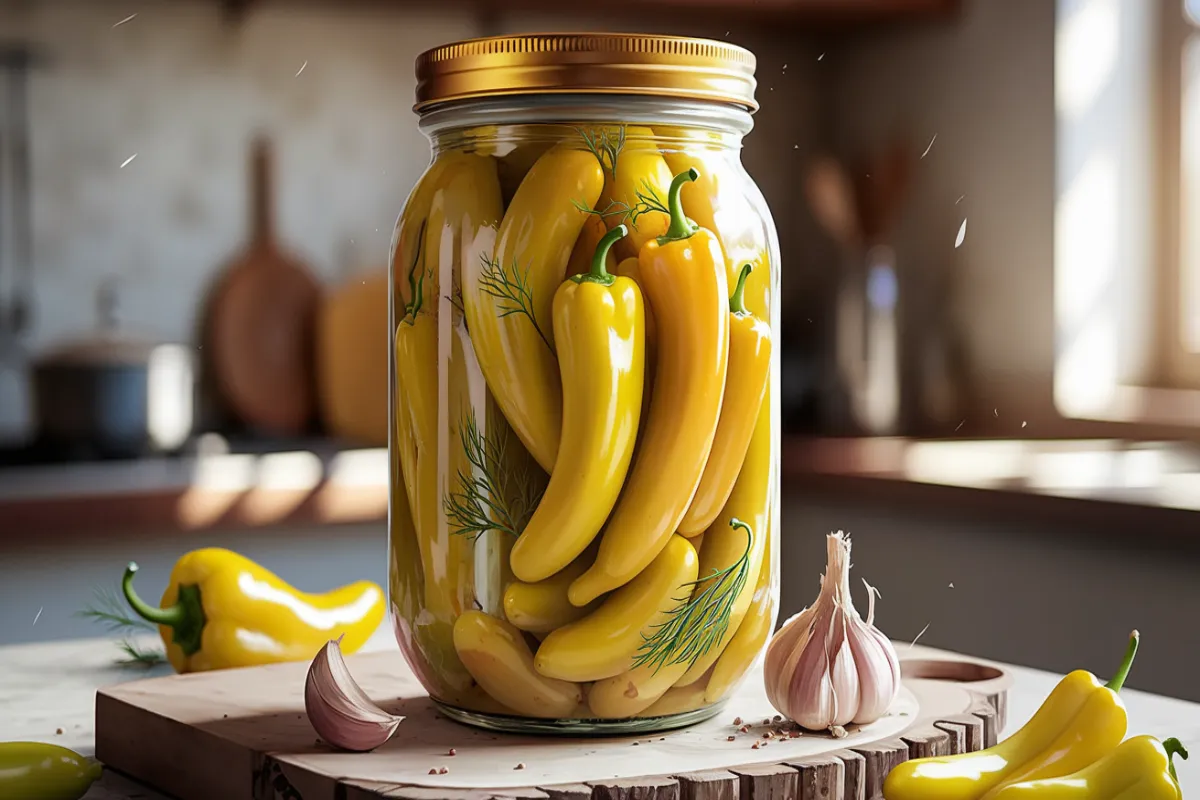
{"x": 587, "y": 63}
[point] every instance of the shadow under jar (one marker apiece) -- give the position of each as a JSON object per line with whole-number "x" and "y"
{"x": 585, "y": 398}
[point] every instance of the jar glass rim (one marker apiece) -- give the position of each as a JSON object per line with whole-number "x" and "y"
{"x": 585, "y": 107}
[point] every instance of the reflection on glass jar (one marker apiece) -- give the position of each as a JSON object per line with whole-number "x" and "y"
{"x": 585, "y": 398}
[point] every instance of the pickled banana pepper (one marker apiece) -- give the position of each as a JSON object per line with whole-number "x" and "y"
{"x": 584, "y": 439}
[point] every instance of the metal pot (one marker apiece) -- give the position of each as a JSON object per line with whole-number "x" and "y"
{"x": 113, "y": 395}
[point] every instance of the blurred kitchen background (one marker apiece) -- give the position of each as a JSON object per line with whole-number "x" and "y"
{"x": 991, "y": 319}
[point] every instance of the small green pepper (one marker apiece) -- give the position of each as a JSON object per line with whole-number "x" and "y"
{"x": 39, "y": 771}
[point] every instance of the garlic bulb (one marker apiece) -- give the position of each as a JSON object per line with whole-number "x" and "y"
{"x": 825, "y": 667}
{"x": 339, "y": 709}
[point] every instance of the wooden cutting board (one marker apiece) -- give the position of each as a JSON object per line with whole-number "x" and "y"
{"x": 243, "y": 735}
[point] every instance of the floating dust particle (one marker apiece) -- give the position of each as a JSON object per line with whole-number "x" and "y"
{"x": 127, "y": 19}
{"x": 919, "y": 635}
{"x": 785, "y": 66}
{"x": 821, "y": 57}
{"x": 964, "y": 422}
{"x": 995, "y": 412}
{"x": 38, "y": 615}
{"x": 838, "y": 732}
{"x": 951, "y": 584}
{"x": 1023, "y": 423}
{"x": 961, "y": 197}
{"x": 929, "y": 146}
{"x": 127, "y": 161}
{"x": 795, "y": 147}
{"x": 962, "y": 234}
{"x": 302, "y": 66}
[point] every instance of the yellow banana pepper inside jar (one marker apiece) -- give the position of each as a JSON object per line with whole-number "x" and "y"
{"x": 585, "y": 400}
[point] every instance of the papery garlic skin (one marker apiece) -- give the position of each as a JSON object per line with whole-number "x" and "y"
{"x": 826, "y": 667}
{"x": 340, "y": 711}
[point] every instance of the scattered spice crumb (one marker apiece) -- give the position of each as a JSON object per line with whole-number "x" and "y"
{"x": 453, "y": 752}
{"x": 768, "y": 735}
{"x": 730, "y": 738}
{"x": 744, "y": 729}
{"x": 432, "y": 771}
{"x": 838, "y": 732}
{"x": 778, "y": 718}
{"x": 662, "y": 738}
{"x": 766, "y": 721}
{"x": 902, "y": 714}
{"x": 754, "y": 746}
{"x": 520, "y": 765}
{"x": 794, "y": 735}
{"x": 737, "y": 720}
{"x": 635, "y": 744}
{"x": 443, "y": 770}
{"x": 58, "y": 731}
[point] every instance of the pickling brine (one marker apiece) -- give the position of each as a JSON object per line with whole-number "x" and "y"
{"x": 585, "y": 399}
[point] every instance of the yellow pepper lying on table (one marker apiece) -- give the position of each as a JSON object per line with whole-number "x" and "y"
{"x": 221, "y": 610}
{"x": 1140, "y": 769}
{"x": 1080, "y": 722}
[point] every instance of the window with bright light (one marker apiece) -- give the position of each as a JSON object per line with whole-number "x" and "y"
{"x": 1189, "y": 163}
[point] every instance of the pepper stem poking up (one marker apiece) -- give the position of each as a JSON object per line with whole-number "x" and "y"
{"x": 185, "y": 618}
{"x": 737, "y": 302}
{"x": 1118, "y": 680}
{"x": 1174, "y": 748}
{"x": 600, "y": 273}
{"x": 681, "y": 227}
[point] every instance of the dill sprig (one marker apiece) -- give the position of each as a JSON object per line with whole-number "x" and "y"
{"x": 605, "y": 145}
{"x": 109, "y": 609}
{"x": 511, "y": 287}
{"x": 138, "y": 656}
{"x": 698, "y": 623}
{"x": 491, "y": 495}
{"x": 648, "y": 200}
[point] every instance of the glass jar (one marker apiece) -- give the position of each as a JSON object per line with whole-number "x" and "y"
{"x": 585, "y": 399}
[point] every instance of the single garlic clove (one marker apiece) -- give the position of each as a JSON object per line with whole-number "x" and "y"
{"x": 810, "y": 698}
{"x": 879, "y": 665}
{"x": 843, "y": 672}
{"x": 340, "y": 711}
{"x": 783, "y": 645}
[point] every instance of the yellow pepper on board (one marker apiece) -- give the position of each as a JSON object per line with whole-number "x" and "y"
{"x": 745, "y": 387}
{"x": 599, "y": 325}
{"x": 750, "y": 501}
{"x": 605, "y": 642}
{"x": 508, "y": 298}
{"x": 683, "y": 274}
{"x": 1141, "y": 768}
{"x": 1080, "y": 722}
{"x": 221, "y": 610}
{"x": 496, "y": 655}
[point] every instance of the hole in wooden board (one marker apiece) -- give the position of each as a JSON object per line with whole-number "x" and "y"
{"x": 956, "y": 671}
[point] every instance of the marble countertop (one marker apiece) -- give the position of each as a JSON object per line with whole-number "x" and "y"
{"x": 47, "y": 691}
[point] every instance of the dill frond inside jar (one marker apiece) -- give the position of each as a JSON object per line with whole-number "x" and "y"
{"x": 584, "y": 444}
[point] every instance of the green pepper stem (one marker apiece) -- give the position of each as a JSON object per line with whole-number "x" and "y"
{"x": 681, "y": 227}
{"x": 185, "y": 618}
{"x": 1174, "y": 747}
{"x": 1118, "y": 680}
{"x": 599, "y": 273}
{"x": 170, "y": 617}
{"x": 737, "y": 303}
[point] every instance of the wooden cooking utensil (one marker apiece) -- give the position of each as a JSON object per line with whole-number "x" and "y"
{"x": 260, "y": 328}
